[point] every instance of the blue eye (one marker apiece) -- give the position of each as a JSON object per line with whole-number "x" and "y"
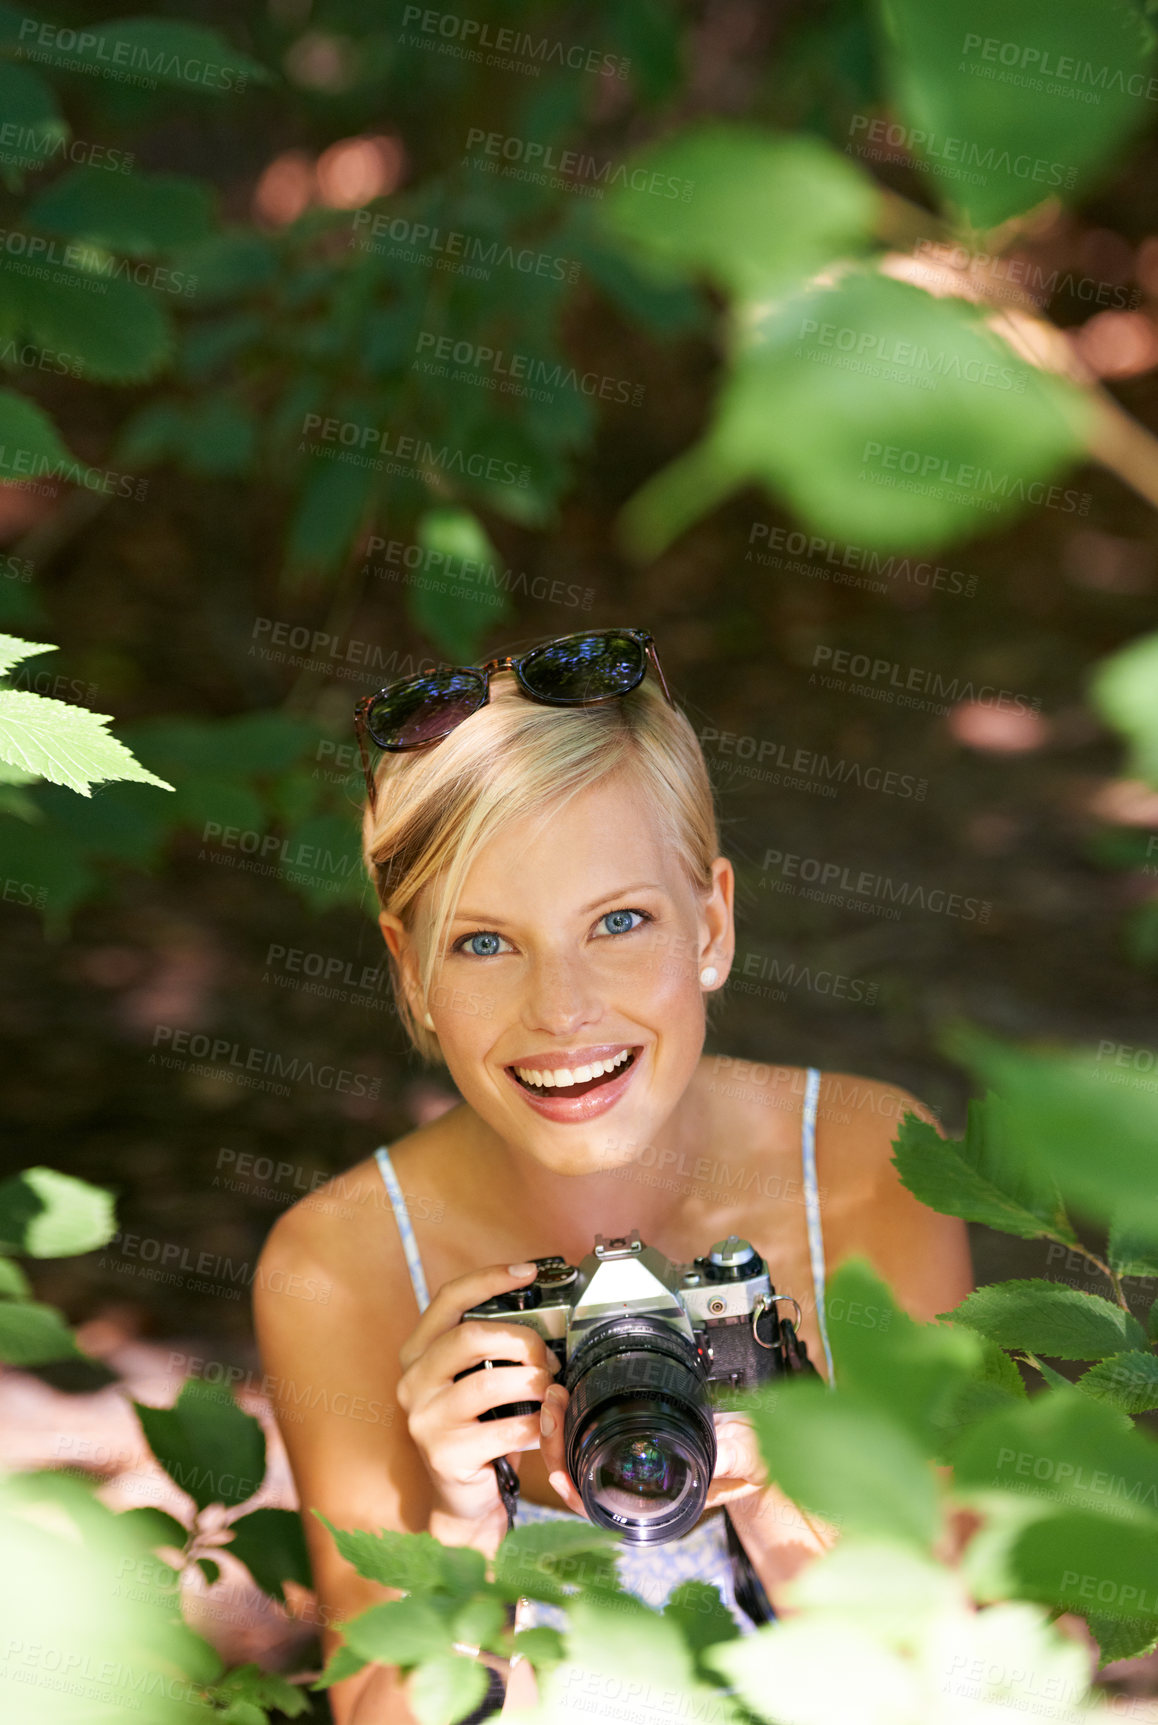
{"x": 464, "y": 942}
{"x": 460, "y": 945}
{"x": 629, "y": 929}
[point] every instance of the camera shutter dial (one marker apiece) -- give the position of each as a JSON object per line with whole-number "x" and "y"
{"x": 733, "y": 1259}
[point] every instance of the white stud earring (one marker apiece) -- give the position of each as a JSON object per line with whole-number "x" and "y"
{"x": 428, "y": 1021}
{"x": 708, "y": 976}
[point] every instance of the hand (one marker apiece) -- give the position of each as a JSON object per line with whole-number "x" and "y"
{"x": 442, "y": 1415}
{"x": 739, "y": 1470}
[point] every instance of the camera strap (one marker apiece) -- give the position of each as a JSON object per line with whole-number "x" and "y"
{"x": 508, "y": 1488}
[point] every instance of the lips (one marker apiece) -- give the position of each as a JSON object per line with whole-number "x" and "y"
{"x": 580, "y": 1102}
{"x": 578, "y": 1089}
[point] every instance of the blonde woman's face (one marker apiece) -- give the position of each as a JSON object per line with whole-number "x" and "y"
{"x": 577, "y": 943}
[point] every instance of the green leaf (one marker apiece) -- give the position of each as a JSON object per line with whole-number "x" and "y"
{"x": 999, "y": 136}
{"x": 30, "y": 105}
{"x": 342, "y": 1663}
{"x": 13, "y": 650}
{"x": 446, "y": 1689}
{"x": 209, "y": 1569}
{"x": 1057, "y": 1379}
{"x": 547, "y": 1559}
{"x": 32, "y": 1334}
{"x": 263, "y": 1689}
{"x": 1079, "y": 1561}
{"x": 939, "y": 434}
{"x": 1065, "y": 1447}
{"x": 1152, "y": 1322}
{"x": 481, "y": 1622}
{"x": 979, "y": 1177}
{"x": 543, "y": 1647}
{"x": 330, "y": 509}
{"x": 82, "y": 1592}
{"x": 1131, "y": 1251}
{"x": 92, "y": 311}
{"x": 701, "y": 1614}
{"x": 452, "y": 609}
{"x": 1048, "y": 1318}
{"x": 14, "y": 1284}
{"x": 65, "y": 744}
{"x": 1129, "y": 1638}
{"x": 229, "y": 264}
{"x": 415, "y": 1562}
{"x": 321, "y": 858}
{"x": 50, "y": 1215}
{"x": 755, "y": 211}
{"x": 911, "y": 1371}
{"x": 1127, "y": 1381}
{"x": 839, "y": 1455}
{"x": 219, "y": 437}
{"x": 1124, "y": 689}
{"x": 1060, "y": 1103}
{"x": 272, "y": 1546}
{"x": 32, "y": 449}
{"x": 57, "y": 879}
{"x": 154, "y": 1527}
{"x": 179, "y": 56}
{"x": 400, "y": 1632}
{"x": 889, "y": 1589}
{"x": 206, "y": 1444}
{"x": 141, "y": 214}
{"x": 244, "y": 1713}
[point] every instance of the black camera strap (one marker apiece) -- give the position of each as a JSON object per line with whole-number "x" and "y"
{"x": 508, "y": 1488}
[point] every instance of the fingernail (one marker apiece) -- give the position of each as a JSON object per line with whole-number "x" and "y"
{"x": 547, "y": 1420}
{"x": 521, "y": 1269}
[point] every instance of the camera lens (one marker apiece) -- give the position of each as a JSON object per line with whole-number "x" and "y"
{"x": 639, "y": 1439}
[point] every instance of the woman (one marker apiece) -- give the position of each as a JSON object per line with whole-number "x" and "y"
{"x": 542, "y": 838}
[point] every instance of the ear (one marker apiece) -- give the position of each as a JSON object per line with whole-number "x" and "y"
{"x": 719, "y": 918}
{"x": 398, "y": 941}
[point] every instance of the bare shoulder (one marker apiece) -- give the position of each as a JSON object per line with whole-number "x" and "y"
{"x": 858, "y": 1119}
{"x": 344, "y": 1230}
{"x": 868, "y": 1210}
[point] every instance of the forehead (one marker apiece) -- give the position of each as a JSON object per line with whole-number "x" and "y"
{"x": 602, "y": 838}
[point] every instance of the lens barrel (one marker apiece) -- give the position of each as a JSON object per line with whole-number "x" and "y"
{"x": 640, "y": 1442}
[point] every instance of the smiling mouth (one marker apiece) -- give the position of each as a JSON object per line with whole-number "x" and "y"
{"x": 576, "y": 1089}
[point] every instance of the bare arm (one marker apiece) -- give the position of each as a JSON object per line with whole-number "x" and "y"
{"x": 378, "y": 1431}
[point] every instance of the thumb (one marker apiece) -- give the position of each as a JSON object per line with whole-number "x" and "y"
{"x": 737, "y": 1452}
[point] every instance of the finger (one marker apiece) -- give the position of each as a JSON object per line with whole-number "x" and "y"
{"x": 467, "y": 1345}
{"x": 460, "y": 1453}
{"x": 458, "y": 1296}
{"x": 737, "y": 1451}
{"x": 551, "y": 1416}
{"x": 457, "y": 1403}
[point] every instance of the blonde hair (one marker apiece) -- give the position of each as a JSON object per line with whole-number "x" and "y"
{"x": 438, "y": 807}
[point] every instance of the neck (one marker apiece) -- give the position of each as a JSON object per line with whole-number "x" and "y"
{"x": 632, "y": 1192}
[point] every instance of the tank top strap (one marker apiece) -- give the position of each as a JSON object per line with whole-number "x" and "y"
{"x": 812, "y": 1208}
{"x": 405, "y": 1226}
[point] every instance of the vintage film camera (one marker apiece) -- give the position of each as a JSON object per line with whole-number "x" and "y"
{"x": 644, "y": 1342}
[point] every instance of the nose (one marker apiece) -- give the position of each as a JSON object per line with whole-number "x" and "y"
{"x": 562, "y": 995}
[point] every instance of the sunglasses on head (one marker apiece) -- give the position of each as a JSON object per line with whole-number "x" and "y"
{"x": 570, "y": 671}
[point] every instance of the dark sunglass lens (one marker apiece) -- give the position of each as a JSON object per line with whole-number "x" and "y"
{"x": 424, "y": 709}
{"x": 586, "y": 667}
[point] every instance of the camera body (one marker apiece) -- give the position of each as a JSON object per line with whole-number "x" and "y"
{"x": 647, "y": 1346}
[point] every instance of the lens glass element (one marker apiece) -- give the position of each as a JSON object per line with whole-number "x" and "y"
{"x": 639, "y": 1475}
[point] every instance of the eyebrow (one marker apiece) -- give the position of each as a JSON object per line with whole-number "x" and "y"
{"x": 619, "y": 892}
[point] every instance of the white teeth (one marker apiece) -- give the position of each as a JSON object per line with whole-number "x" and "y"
{"x": 564, "y": 1076}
